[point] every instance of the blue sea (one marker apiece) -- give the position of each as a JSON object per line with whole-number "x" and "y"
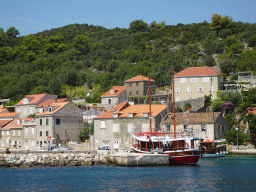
{"x": 230, "y": 173}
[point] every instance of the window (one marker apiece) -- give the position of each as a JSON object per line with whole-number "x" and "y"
{"x": 130, "y": 128}
{"x": 18, "y": 133}
{"x": 41, "y": 143}
{"x": 33, "y": 143}
{"x": 7, "y": 132}
{"x": 112, "y": 91}
{"x": 109, "y": 101}
{"x": 185, "y": 127}
{"x": 130, "y": 114}
{"x": 137, "y": 92}
{"x": 219, "y": 128}
{"x": 177, "y": 99}
{"x": 145, "y": 114}
{"x": 189, "y": 98}
{"x": 222, "y": 128}
{"x": 177, "y": 90}
{"x": 206, "y": 79}
{"x": 203, "y": 128}
{"x": 43, "y": 109}
{"x": 2, "y": 132}
{"x": 168, "y": 128}
{"x": 103, "y": 124}
{"x": 13, "y": 133}
{"x": 26, "y": 131}
{"x": 18, "y": 110}
{"x": 200, "y": 89}
{"x": 31, "y": 109}
{"x": 50, "y": 109}
{"x": 137, "y": 84}
{"x": 33, "y": 130}
{"x": 47, "y": 121}
{"x": 25, "y": 109}
{"x": 41, "y": 121}
{"x": 194, "y": 80}
{"x": 47, "y": 133}
{"x": 130, "y": 84}
{"x": 7, "y": 141}
{"x": 130, "y": 93}
{"x": 183, "y": 80}
{"x": 41, "y": 133}
{"x": 212, "y": 88}
{"x": 57, "y": 121}
{"x": 188, "y": 89}
{"x": 115, "y": 127}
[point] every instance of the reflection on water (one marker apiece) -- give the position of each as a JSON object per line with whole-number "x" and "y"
{"x": 222, "y": 174}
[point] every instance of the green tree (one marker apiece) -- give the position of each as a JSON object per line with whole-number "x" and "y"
{"x": 231, "y": 136}
{"x": 138, "y": 26}
{"x": 247, "y": 61}
{"x": 236, "y": 48}
{"x": 219, "y": 22}
{"x": 252, "y": 40}
{"x": 3, "y": 38}
{"x": 55, "y": 44}
{"x": 12, "y": 32}
{"x": 231, "y": 119}
{"x": 30, "y": 43}
{"x": 208, "y": 60}
{"x": 82, "y": 45}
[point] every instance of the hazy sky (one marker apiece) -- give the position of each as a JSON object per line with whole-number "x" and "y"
{"x": 33, "y": 16}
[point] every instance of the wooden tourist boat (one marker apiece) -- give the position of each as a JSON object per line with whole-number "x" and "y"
{"x": 180, "y": 146}
{"x": 213, "y": 148}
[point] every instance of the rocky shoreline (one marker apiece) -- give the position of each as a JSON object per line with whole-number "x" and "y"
{"x": 49, "y": 159}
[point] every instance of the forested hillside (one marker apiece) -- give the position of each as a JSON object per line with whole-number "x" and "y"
{"x": 71, "y": 60}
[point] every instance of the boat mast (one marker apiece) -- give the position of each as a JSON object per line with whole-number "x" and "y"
{"x": 149, "y": 102}
{"x": 173, "y": 105}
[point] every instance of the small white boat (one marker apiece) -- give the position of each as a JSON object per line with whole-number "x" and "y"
{"x": 213, "y": 148}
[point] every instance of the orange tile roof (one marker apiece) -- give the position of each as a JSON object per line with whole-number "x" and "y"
{"x": 14, "y": 124}
{"x": 253, "y": 112}
{"x": 124, "y": 109}
{"x": 58, "y": 107}
{"x": 9, "y": 114}
{"x": 109, "y": 113}
{"x": 51, "y": 101}
{"x": 117, "y": 90}
{"x": 4, "y": 122}
{"x": 3, "y": 110}
{"x": 32, "y": 98}
{"x": 196, "y": 71}
{"x": 138, "y": 78}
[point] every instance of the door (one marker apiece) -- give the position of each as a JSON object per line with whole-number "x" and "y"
{"x": 116, "y": 144}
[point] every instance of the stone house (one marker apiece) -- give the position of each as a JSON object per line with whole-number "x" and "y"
{"x": 114, "y": 127}
{"x": 90, "y": 114}
{"x": 27, "y": 105}
{"x": 196, "y": 82}
{"x": 138, "y": 86}
{"x": 17, "y": 135}
{"x": 59, "y": 122}
{"x": 203, "y": 123}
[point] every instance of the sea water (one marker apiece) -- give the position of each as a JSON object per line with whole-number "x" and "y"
{"x": 230, "y": 173}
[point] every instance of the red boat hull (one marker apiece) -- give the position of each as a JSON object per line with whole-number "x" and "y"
{"x": 184, "y": 160}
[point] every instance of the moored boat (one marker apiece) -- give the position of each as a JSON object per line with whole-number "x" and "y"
{"x": 180, "y": 146}
{"x": 213, "y": 148}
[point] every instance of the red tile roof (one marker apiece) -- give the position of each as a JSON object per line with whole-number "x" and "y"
{"x": 139, "y": 78}
{"x": 9, "y": 114}
{"x": 14, "y": 123}
{"x": 4, "y": 122}
{"x": 51, "y": 101}
{"x": 32, "y": 98}
{"x": 56, "y": 107}
{"x": 196, "y": 71}
{"x": 3, "y": 110}
{"x": 116, "y": 91}
{"x": 124, "y": 109}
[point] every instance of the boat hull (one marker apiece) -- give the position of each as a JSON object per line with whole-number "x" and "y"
{"x": 190, "y": 157}
{"x": 207, "y": 155}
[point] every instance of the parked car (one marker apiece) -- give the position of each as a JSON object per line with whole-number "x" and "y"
{"x": 104, "y": 148}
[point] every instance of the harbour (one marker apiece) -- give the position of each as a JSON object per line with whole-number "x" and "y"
{"x": 230, "y": 173}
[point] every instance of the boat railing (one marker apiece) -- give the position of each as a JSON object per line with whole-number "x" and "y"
{"x": 179, "y": 134}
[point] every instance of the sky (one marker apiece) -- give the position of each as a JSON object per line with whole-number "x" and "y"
{"x": 33, "y": 16}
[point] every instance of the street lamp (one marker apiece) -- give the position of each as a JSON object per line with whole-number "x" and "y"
{"x": 237, "y": 137}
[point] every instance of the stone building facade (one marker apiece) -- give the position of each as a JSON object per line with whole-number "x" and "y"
{"x": 203, "y": 123}
{"x": 196, "y": 82}
{"x": 114, "y": 127}
{"x": 61, "y": 122}
{"x": 138, "y": 86}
